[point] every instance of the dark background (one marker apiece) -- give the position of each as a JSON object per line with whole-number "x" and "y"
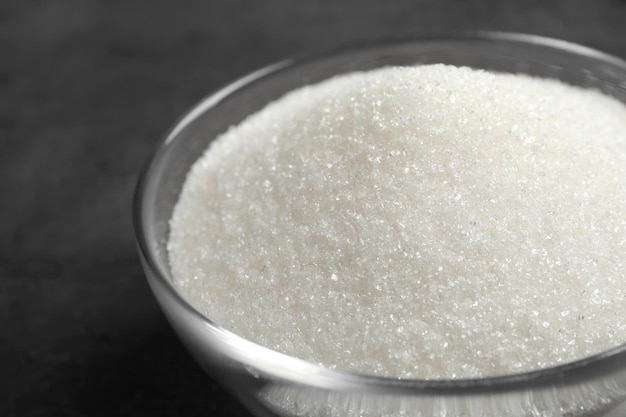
{"x": 87, "y": 88}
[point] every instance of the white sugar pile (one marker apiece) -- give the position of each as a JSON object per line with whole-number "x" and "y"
{"x": 427, "y": 222}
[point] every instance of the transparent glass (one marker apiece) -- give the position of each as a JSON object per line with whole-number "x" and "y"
{"x": 273, "y": 384}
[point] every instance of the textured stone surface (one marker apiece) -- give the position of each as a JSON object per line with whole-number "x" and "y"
{"x": 87, "y": 88}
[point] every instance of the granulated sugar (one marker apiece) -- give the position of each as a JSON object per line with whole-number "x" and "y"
{"x": 425, "y": 222}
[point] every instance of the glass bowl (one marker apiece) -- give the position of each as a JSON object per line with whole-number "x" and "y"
{"x": 269, "y": 383}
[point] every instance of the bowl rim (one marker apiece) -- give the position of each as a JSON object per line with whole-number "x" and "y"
{"x": 285, "y": 367}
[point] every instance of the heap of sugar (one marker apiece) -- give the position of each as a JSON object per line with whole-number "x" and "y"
{"x": 422, "y": 222}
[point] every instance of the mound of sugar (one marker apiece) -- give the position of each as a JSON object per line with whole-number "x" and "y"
{"x": 427, "y": 222}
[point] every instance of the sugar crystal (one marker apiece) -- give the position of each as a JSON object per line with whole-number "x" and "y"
{"x": 423, "y": 222}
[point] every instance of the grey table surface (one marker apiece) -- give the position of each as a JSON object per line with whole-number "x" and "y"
{"x": 87, "y": 88}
